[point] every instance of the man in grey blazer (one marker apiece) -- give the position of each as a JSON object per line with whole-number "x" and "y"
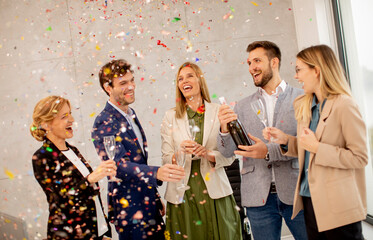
{"x": 268, "y": 177}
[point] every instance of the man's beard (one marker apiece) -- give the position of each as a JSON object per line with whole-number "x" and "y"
{"x": 267, "y": 76}
{"x": 121, "y": 100}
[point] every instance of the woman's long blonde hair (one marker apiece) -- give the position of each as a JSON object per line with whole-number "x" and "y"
{"x": 44, "y": 112}
{"x": 332, "y": 78}
{"x": 180, "y": 99}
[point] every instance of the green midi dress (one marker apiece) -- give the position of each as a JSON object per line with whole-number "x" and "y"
{"x": 200, "y": 217}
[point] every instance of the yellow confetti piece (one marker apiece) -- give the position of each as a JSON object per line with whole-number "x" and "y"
{"x": 124, "y": 202}
{"x": 92, "y": 114}
{"x": 22, "y": 38}
{"x": 82, "y": 208}
{"x": 98, "y": 47}
{"x": 254, "y": 3}
{"x": 207, "y": 177}
{"x": 9, "y": 174}
{"x": 107, "y": 71}
{"x": 97, "y": 105}
{"x": 118, "y": 139}
{"x": 258, "y": 112}
{"x": 7, "y": 221}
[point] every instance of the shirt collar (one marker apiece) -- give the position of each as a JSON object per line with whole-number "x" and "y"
{"x": 314, "y": 101}
{"x": 129, "y": 111}
{"x": 279, "y": 89}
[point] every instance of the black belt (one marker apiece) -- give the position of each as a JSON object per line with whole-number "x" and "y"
{"x": 272, "y": 189}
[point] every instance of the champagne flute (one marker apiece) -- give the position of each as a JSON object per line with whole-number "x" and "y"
{"x": 180, "y": 158}
{"x": 260, "y": 111}
{"x": 193, "y": 129}
{"x": 109, "y": 143}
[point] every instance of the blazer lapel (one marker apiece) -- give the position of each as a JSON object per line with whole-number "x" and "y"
{"x": 145, "y": 143}
{"x": 183, "y": 126}
{"x": 209, "y": 121}
{"x": 325, "y": 112}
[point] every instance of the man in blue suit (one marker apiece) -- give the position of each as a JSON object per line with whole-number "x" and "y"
{"x": 135, "y": 206}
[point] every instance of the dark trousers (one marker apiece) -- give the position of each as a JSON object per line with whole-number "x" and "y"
{"x": 351, "y": 231}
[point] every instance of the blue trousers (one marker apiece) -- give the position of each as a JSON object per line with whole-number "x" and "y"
{"x": 266, "y": 221}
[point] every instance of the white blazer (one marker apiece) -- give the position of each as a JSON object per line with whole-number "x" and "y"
{"x": 174, "y": 131}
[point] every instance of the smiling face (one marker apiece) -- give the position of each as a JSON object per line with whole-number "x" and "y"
{"x": 260, "y": 67}
{"x": 307, "y": 76}
{"x": 60, "y": 128}
{"x": 122, "y": 91}
{"x": 188, "y": 83}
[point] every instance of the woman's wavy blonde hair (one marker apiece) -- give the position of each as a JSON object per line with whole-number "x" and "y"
{"x": 332, "y": 77}
{"x": 44, "y": 112}
{"x": 180, "y": 99}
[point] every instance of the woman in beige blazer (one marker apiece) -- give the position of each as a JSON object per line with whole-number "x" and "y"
{"x": 331, "y": 148}
{"x": 207, "y": 210}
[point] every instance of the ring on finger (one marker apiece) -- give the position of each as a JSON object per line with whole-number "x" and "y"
{"x": 170, "y": 174}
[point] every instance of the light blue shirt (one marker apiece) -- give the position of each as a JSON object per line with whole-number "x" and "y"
{"x": 315, "y": 109}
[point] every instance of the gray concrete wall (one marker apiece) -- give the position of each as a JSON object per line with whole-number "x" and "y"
{"x": 57, "y": 47}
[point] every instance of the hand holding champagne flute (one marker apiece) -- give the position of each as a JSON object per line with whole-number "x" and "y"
{"x": 110, "y": 148}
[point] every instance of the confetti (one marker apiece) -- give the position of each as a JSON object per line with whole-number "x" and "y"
{"x": 92, "y": 114}
{"x": 207, "y": 177}
{"x": 124, "y": 202}
{"x": 49, "y": 28}
{"x": 258, "y": 112}
{"x": 254, "y": 3}
{"x": 214, "y": 96}
{"x": 176, "y": 19}
{"x": 98, "y": 47}
{"x": 9, "y": 174}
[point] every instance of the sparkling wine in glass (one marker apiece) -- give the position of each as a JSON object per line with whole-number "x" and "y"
{"x": 180, "y": 158}
{"x": 109, "y": 143}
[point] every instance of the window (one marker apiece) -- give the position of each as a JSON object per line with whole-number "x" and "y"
{"x": 354, "y": 35}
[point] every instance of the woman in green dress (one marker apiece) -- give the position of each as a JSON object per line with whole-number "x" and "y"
{"x": 205, "y": 209}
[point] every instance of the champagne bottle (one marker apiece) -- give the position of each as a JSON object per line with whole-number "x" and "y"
{"x": 237, "y": 131}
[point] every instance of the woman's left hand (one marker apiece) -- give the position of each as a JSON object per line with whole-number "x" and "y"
{"x": 201, "y": 151}
{"x": 308, "y": 140}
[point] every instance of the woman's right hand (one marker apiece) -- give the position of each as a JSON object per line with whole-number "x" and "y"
{"x": 106, "y": 168}
{"x": 275, "y": 135}
{"x": 170, "y": 173}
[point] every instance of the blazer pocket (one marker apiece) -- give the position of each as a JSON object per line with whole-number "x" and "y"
{"x": 342, "y": 194}
{"x": 247, "y": 169}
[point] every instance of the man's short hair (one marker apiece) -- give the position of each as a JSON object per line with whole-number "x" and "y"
{"x": 272, "y": 50}
{"x": 111, "y": 70}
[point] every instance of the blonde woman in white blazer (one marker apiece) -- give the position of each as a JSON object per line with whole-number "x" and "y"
{"x": 208, "y": 207}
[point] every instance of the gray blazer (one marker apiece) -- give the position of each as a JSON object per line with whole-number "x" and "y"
{"x": 257, "y": 173}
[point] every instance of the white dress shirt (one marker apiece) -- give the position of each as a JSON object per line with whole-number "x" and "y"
{"x": 270, "y": 102}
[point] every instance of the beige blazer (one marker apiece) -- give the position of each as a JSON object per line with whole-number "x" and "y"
{"x": 174, "y": 131}
{"x": 336, "y": 173}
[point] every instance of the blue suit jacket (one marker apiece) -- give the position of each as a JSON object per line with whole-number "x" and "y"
{"x": 135, "y": 199}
